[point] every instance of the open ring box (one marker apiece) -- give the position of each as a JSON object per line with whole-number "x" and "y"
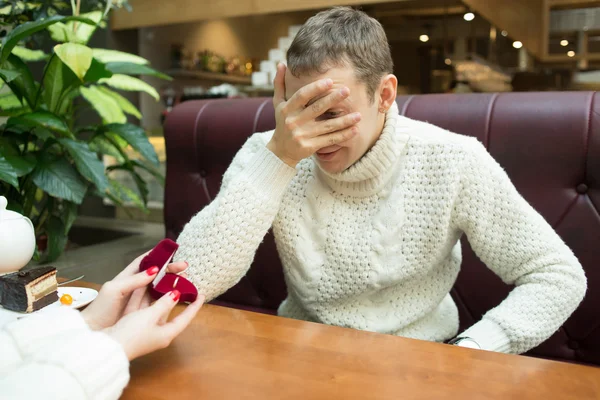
{"x": 165, "y": 282}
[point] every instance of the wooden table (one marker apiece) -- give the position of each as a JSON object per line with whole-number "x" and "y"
{"x": 233, "y": 354}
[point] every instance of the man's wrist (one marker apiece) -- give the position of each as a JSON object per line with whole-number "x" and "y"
{"x": 272, "y": 148}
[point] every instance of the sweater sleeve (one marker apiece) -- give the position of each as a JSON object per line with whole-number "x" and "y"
{"x": 54, "y": 355}
{"x": 220, "y": 241}
{"x": 515, "y": 242}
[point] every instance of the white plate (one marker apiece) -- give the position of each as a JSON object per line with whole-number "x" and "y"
{"x": 81, "y": 297}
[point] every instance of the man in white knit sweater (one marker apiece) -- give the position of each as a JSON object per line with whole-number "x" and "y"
{"x": 368, "y": 207}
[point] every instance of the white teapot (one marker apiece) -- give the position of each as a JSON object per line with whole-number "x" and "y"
{"x": 17, "y": 239}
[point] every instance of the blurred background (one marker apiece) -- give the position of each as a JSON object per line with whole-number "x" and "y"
{"x": 230, "y": 48}
{"x": 220, "y": 48}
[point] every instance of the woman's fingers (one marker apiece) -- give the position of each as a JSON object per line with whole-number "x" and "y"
{"x": 133, "y": 267}
{"x": 180, "y": 322}
{"x": 135, "y": 302}
{"x": 163, "y": 306}
{"x": 129, "y": 284}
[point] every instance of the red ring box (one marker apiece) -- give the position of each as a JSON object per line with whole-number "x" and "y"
{"x": 165, "y": 282}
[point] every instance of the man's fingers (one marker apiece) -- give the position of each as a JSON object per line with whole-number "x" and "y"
{"x": 320, "y": 106}
{"x": 279, "y": 85}
{"x": 305, "y": 94}
{"x": 334, "y": 138}
{"x": 177, "y": 267}
{"x": 335, "y": 124}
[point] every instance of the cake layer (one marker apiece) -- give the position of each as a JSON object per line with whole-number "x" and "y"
{"x": 20, "y": 290}
{"x": 44, "y": 301}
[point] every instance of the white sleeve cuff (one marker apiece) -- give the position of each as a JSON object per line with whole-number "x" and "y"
{"x": 489, "y": 336}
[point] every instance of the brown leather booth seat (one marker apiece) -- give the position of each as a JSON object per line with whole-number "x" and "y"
{"x": 549, "y": 143}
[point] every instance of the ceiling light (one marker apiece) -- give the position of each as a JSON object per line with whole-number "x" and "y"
{"x": 504, "y": 33}
{"x": 469, "y": 16}
{"x": 517, "y": 44}
{"x": 571, "y": 53}
{"x": 448, "y": 61}
{"x": 564, "y": 43}
{"x": 424, "y": 38}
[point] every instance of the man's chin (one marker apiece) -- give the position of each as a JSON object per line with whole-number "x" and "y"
{"x": 331, "y": 167}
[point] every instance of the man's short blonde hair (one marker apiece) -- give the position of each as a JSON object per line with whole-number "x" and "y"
{"x": 342, "y": 36}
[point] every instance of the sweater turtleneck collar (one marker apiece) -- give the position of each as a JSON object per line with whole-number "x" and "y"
{"x": 370, "y": 173}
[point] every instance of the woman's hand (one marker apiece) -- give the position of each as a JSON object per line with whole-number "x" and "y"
{"x": 144, "y": 331}
{"x": 126, "y": 293}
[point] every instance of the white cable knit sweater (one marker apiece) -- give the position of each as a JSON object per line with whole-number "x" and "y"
{"x": 54, "y": 355}
{"x": 376, "y": 247}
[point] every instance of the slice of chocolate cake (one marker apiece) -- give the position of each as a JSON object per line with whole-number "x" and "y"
{"x": 30, "y": 290}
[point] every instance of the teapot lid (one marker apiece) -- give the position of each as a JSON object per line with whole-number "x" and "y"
{"x": 7, "y": 215}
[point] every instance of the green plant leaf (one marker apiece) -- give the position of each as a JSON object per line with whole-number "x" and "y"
{"x": 57, "y": 238}
{"x": 96, "y": 72}
{"x": 136, "y": 137}
{"x": 9, "y": 100}
{"x": 130, "y": 83}
{"x": 18, "y": 6}
{"x": 42, "y": 133}
{"x": 125, "y": 195}
{"x": 125, "y": 104}
{"x": 100, "y": 144}
{"x": 42, "y": 119}
{"x": 87, "y": 162}
{"x": 108, "y": 108}
{"x": 8, "y": 173}
{"x": 67, "y": 99}
{"x": 151, "y": 170}
{"x": 8, "y": 75}
{"x": 69, "y": 215}
{"x": 129, "y": 68}
{"x": 29, "y": 55}
{"x": 107, "y": 56}
{"x": 75, "y": 56}
{"x": 61, "y": 33}
{"x": 22, "y": 164}
{"x": 141, "y": 185}
{"x": 13, "y": 112}
{"x": 58, "y": 178}
{"x": 83, "y": 32}
{"x": 28, "y": 28}
{"x": 6, "y": 10}
{"x": 58, "y": 79}
{"x": 24, "y": 86}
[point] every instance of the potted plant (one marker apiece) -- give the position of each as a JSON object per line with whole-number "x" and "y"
{"x": 49, "y": 160}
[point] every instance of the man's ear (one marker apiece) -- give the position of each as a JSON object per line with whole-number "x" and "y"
{"x": 387, "y": 92}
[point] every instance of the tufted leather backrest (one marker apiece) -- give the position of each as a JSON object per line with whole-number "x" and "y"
{"x": 549, "y": 144}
